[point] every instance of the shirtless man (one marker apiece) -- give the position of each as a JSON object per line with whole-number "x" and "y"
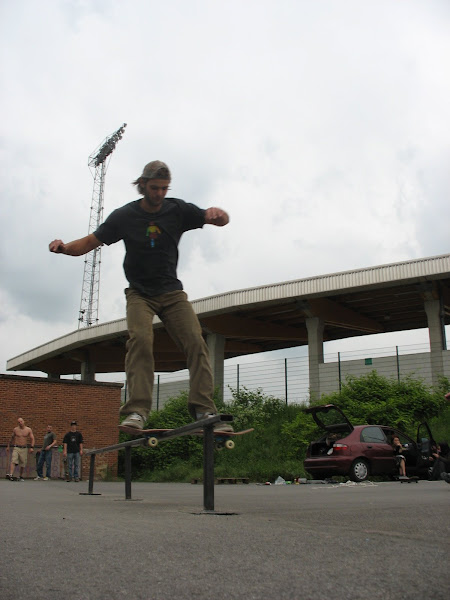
{"x": 20, "y": 451}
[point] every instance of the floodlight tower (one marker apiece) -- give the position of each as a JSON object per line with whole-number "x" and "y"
{"x": 98, "y": 163}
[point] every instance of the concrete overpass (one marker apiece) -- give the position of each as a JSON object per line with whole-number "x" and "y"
{"x": 407, "y": 295}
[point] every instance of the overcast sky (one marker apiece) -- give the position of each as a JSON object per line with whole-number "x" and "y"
{"x": 322, "y": 127}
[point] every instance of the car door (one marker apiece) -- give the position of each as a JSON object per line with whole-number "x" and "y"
{"x": 376, "y": 448}
{"x": 426, "y": 445}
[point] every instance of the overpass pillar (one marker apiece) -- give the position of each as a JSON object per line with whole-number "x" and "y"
{"x": 436, "y": 332}
{"x": 315, "y": 327}
{"x": 87, "y": 371}
{"x": 216, "y": 347}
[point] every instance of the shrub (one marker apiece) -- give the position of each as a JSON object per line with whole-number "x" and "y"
{"x": 282, "y": 432}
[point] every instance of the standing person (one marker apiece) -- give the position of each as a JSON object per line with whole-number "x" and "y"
{"x": 73, "y": 451}
{"x": 46, "y": 455}
{"x": 20, "y": 449}
{"x": 151, "y": 228}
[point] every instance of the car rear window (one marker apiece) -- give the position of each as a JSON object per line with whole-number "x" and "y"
{"x": 374, "y": 435}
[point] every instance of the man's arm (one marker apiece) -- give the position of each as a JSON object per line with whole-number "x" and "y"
{"x": 31, "y": 440}
{"x": 64, "y": 449}
{"x": 50, "y": 446}
{"x": 75, "y": 248}
{"x": 11, "y": 441}
{"x": 216, "y": 216}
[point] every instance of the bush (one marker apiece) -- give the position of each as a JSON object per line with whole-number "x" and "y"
{"x": 283, "y": 432}
{"x": 403, "y": 404}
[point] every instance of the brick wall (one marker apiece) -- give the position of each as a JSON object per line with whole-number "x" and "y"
{"x": 41, "y": 402}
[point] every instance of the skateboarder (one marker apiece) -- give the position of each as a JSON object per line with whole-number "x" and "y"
{"x": 20, "y": 449}
{"x": 151, "y": 228}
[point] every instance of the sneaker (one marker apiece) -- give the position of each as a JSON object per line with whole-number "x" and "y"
{"x": 134, "y": 420}
{"x": 9, "y": 476}
{"x": 445, "y": 477}
{"x": 37, "y": 478}
{"x": 20, "y": 479}
{"x": 76, "y": 480}
{"x": 69, "y": 479}
{"x": 45, "y": 479}
{"x": 219, "y": 426}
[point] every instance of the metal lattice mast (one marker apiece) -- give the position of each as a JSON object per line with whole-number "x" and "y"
{"x": 98, "y": 163}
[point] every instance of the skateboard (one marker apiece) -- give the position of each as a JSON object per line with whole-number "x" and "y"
{"x": 409, "y": 480}
{"x": 222, "y": 439}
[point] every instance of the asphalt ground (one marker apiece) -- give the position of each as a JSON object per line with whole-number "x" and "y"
{"x": 385, "y": 541}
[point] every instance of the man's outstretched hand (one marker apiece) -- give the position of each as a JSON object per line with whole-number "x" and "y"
{"x": 57, "y": 246}
{"x": 216, "y": 216}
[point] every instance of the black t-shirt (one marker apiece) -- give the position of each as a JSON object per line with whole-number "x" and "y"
{"x": 73, "y": 439}
{"x": 151, "y": 242}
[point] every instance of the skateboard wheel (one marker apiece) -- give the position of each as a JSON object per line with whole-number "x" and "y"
{"x": 152, "y": 442}
{"x": 229, "y": 444}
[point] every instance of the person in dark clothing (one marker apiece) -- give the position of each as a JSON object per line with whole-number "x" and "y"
{"x": 73, "y": 451}
{"x": 45, "y": 455}
{"x": 441, "y": 463}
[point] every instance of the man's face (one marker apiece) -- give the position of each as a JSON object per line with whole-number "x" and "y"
{"x": 21, "y": 422}
{"x": 49, "y": 428}
{"x": 155, "y": 192}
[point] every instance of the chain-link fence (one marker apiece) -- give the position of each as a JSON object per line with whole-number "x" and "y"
{"x": 288, "y": 378}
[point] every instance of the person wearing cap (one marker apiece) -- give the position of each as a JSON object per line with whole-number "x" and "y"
{"x": 151, "y": 228}
{"x": 73, "y": 451}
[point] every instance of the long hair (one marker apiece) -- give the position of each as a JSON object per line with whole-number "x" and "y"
{"x": 162, "y": 173}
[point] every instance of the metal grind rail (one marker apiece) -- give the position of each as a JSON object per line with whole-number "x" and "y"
{"x": 208, "y": 455}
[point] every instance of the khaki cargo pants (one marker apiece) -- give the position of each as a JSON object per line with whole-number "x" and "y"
{"x": 182, "y": 324}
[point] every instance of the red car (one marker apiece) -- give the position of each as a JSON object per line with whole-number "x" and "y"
{"x": 363, "y": 450}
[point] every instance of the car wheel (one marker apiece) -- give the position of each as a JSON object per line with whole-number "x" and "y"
{"x": 359, "y": 471}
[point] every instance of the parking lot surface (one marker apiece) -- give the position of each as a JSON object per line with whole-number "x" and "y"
{"x": 313, "y": 541}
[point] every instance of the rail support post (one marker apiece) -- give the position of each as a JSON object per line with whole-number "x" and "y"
{"x": 128, "y": 473}
{"x": 91, "y": 474}
{"x": 90, "y": 491}
{"x": 208, "y": 467}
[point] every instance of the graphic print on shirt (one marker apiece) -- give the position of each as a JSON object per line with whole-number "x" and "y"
{"x": 153, "y": 232}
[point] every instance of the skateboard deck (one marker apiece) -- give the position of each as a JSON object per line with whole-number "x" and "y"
{"x": 221, "y": 438}
{"x": 409, "y": 480}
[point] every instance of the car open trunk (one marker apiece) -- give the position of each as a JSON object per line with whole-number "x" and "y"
{"x": 336, "y": 425}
